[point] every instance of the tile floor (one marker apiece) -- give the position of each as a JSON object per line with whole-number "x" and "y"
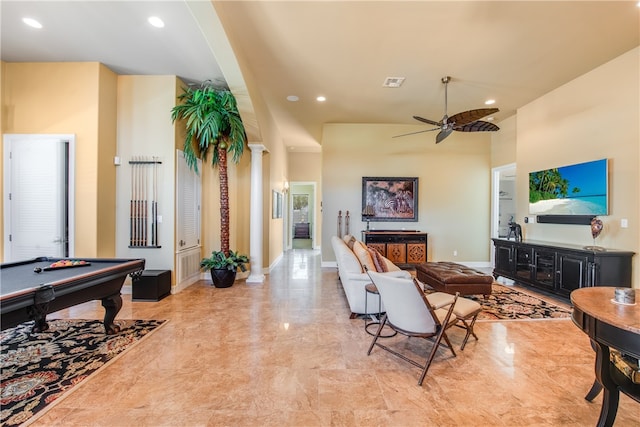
{"x": 285, "y": 353}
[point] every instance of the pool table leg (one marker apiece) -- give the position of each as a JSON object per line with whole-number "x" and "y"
{"x": 112, "y": 305}
{"x": 40, "y": 308}
{"x": 596, "y": 388}
{"x": 40, "y": 324}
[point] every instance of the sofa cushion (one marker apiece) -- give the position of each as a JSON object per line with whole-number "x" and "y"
{"x": 362, "y": 252}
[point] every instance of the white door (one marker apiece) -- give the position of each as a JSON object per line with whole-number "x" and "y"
{"x": 37, "y": 194}
{"x": 188, "y": 196}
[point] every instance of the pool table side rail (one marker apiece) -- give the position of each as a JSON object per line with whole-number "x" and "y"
{"x": 127, "y": 266}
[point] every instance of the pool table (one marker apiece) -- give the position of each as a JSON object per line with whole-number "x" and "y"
{"x": 31, "y": 289}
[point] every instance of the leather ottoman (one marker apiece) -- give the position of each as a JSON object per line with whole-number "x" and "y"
{"x": 451, "y": 277}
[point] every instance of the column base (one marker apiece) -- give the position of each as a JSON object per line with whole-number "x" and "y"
{"x": 255, "y": 278}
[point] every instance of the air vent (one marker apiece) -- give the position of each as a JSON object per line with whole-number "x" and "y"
{"x": 393, "y": 82}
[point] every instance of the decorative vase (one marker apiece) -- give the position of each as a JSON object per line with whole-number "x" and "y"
{"x": 223, "y": 278}
{"x": 596, "y": 229}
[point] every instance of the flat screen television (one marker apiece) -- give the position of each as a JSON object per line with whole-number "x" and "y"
{"x": 580, "y": 189}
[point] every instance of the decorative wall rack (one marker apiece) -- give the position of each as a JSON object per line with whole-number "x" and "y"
{"x": 143, "y": 210}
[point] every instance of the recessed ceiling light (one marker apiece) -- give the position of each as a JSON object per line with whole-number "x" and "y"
{"x": 156, "y": 22}
{"x": 489, "y": 119}
{"x": 489, "y": 102}
{"x": 292, "y": 98}
{"x": 32, "y": 22}
{"x": 321, "y": 99}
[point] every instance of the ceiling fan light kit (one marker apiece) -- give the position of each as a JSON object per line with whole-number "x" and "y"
{"x": 466, "y": 121}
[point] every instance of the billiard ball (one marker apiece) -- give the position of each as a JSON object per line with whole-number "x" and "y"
{"x": 37, "y": 269}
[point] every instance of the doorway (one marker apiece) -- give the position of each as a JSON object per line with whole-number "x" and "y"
{"x": 39, "y": 196}
{"x": 503, "y": 201}
{"x": 302, "y": 229}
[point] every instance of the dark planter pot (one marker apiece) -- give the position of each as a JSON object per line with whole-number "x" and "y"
{"x": 223, "y": 278}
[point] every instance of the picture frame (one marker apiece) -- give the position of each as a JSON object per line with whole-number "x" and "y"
{"x": 390, "y": 199}
{"x": 276, "y": 206}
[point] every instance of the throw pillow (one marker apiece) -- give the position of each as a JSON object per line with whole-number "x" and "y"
{"x": 381, "y": 263}
{"x": 362, "y": 252}
{"x": 349, "y": 240}
{"x": 373, "y": 253}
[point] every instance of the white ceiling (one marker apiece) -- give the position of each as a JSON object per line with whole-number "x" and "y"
{"x": 513, "y": 52}
{"x": 115, "y": 33}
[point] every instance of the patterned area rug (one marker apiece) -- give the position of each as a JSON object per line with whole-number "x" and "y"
{"x": 38, "y": 368}
{"x": 506, "y": 303}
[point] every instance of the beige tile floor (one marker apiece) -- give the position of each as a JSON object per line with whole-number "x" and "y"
{"x": 285, "y": 353}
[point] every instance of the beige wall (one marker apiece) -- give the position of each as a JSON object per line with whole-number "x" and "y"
{"x": 594, "y": 116}
{"x": 453, "y": 188}
{"x": 145, "y": 129}
{"x": 72, "y": 98}
{"x": 503, "y": 143}
{"x": 305, "y": 166}
{"x": 278, "y": 176}
{"x": 107, "y": 149}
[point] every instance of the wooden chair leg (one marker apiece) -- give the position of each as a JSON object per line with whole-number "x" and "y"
{"x": 469, "y": 328}
{"x": 446, "y": 340}
{"x": 432, "y": 354}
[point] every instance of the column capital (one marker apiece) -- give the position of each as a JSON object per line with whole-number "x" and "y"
{"x": 257, "y": 148}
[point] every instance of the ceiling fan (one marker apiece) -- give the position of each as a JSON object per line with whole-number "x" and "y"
{"x": 466, "y": 121}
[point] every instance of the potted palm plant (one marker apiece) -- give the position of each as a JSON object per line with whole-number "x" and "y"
{"x": 224, "y": 267}
{"x": 213, "y": 126}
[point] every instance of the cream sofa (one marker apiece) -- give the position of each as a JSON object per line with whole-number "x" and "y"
{"x": 351, "y": 255}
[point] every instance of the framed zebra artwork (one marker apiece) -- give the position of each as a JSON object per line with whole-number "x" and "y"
{"x": 389, "y": 199}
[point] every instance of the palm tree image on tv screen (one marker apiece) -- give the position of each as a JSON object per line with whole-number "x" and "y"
{"x": 579, "y": 189}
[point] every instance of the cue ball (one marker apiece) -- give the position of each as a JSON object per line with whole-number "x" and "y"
{"x": 37, "y": 269}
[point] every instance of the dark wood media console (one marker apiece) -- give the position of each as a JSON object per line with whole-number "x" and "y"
{"x": 560, "y": 268}
{"x": 403, "y": 248}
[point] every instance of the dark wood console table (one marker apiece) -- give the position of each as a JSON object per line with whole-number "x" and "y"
{"x": 561, "y": 268}
{"x": 403, "y": 248}
{"x": 301, "y": 230}
{"x": 609, "y": 325}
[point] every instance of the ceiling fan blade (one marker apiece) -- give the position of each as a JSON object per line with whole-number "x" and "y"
{"x": 443, "y": 134}
{"x": 470, "y": 116}
{"x": 431, "y": 122}
{"x": 413, "y": 133}
{"x": 478, "y": 126}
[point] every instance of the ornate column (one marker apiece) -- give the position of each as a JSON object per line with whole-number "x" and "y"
{"x": 255, "y": 212}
